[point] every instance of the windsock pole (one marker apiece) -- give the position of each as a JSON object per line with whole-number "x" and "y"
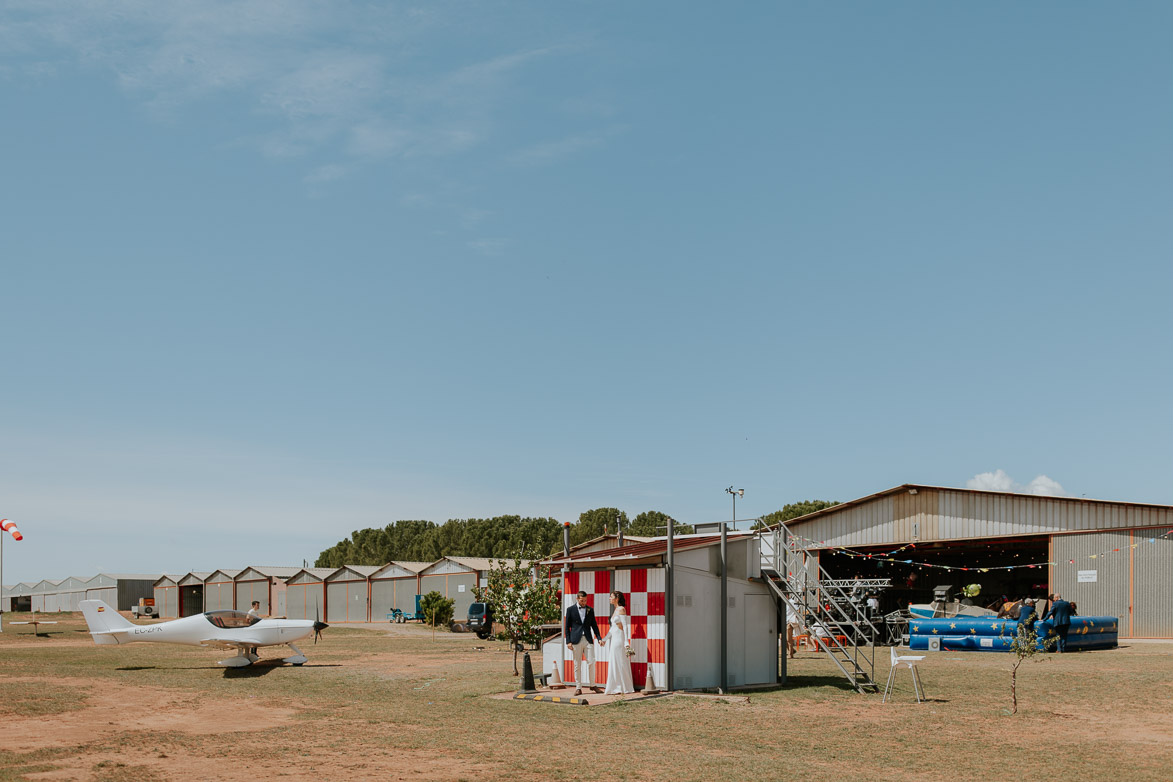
{"x": 5, "y": 526}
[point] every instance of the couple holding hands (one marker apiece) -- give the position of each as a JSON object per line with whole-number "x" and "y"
{"x": 581, "y": 630}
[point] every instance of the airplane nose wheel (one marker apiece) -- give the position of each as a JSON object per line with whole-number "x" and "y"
{"x": 297, "y": 659}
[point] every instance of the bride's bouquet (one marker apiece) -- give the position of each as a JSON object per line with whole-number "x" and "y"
{"x": 629, "y": 652}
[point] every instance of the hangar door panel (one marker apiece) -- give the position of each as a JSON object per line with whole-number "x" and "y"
{"x": 1152, "y": 588}
{"x": 1091, "y": 574}
{"x": 405, "y": 595}
{"x": 460, "y": 589}
{"x": 434, "y": 584}
{"x": 382, "y": 599}
{"x": 218, "y": 596}
{"x": 303, "y": 600}
{"x": 248, "y": 591}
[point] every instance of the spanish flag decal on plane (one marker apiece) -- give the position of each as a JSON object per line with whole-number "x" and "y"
{"x": 101, "y": 609}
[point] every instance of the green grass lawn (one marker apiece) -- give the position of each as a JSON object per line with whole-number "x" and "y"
{"x": 408, "y": 707}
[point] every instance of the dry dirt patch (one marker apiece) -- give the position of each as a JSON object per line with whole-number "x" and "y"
{"x": 323, "y": 764}
{"x": 114, "y": 709}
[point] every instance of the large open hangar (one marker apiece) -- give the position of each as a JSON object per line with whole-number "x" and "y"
{"x": 1110, "y": 558}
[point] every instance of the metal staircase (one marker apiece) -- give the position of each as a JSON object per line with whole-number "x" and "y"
{"x": 798, "y": 581}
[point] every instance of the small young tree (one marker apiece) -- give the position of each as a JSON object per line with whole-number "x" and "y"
{"x": 520, "y": 604}
{"x": 437, "y": 609}
{"x": 1024, "y": 645}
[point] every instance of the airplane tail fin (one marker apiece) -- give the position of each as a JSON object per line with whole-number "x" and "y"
{"x": 107, "y": 626}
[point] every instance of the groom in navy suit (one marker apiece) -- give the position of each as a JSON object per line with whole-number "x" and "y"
{"x": 580, "y": 630}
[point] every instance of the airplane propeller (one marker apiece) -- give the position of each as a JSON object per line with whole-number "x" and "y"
{"x": 319, "y": 626}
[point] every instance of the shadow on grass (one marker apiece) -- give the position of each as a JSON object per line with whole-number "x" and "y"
{"x": 794, "y": 682}
{"x": 266, "y": 667}
{"x": 252, "y": 671}
{"x": 40, "y": 634}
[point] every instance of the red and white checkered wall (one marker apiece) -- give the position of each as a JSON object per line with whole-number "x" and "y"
{"x": 644, "y": 590}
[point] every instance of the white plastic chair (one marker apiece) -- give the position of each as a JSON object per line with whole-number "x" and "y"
{"x": 908, "y": 661}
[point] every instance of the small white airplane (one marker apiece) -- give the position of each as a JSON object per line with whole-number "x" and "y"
{"x": 219, "y": 629}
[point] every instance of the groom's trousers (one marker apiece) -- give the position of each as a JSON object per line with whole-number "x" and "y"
{"x": 584, "y": 652}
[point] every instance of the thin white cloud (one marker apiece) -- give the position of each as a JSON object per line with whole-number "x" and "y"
{"x": 552, "y": 151}
{"x": 320, "y": 74}
{"x": 998, "y": 480}
{"x": 323, "y": 174}
{"x": 489, "y": 247}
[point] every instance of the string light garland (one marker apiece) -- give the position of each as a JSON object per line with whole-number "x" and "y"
{"x": 886, "y": 556}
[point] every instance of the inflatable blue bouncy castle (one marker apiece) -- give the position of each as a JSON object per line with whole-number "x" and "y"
{"x": 988, "y": 634}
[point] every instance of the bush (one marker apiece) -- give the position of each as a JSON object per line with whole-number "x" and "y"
{"x": 442, "y": 607}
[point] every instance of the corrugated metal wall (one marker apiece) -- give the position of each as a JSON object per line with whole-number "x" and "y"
{"x": 167, "y": 601}
{"x": 1152, "y": 584}
{"x": 346, "y": 601}
{"x": 304, "y": 601}
{"x": 218, "y": 596}
{"x": 248, "y": 591}
{"x": 457, "y": 586}
{"x": 389, "y": 593}
{"x": 1108, "y": 594}
{"x": 942, "y": 514}
{"x": 108, "y": 595}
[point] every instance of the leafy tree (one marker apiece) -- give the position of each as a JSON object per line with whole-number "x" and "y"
{"x": 593, "y": 523}
{"x": 518, "y": 603}
{"x": 424, "y": 541}
{"x": 1024, "y": 646}
{"x": 793, "y": 511}
{"x": 653, "y": 523}
{"x": 437, "y": 609}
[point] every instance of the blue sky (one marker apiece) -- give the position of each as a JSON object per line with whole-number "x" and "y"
{"x": 272, "y": 272}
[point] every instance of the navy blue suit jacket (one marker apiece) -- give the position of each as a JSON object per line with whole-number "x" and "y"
{"x": 574, "y": 627}
{"x": 1060, "y": 613}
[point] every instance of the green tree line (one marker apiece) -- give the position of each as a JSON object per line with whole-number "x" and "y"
{"x": 498, "y": 537}
{"x": 504, "y": 536}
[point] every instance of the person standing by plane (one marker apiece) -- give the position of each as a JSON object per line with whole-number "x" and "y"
{"x": 254, "y": 614}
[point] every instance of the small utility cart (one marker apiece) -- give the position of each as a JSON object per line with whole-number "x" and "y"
{"x": 398, "y": 616}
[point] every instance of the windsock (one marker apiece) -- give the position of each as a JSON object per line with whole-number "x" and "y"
{"x": 8, "y": 526}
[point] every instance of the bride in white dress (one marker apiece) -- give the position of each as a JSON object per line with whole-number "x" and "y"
{"x": 618, "y": 642}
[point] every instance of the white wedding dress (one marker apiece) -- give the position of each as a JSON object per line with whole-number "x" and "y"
{"x": 618, "y": 663}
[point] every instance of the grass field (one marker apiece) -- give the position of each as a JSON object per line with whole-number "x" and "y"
{"x": 392, "y": 703}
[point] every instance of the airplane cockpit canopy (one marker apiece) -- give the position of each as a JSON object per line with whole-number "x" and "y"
{"x": 229, "y": 619}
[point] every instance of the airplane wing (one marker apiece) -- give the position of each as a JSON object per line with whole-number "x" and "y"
{"x": 233, "y": 643}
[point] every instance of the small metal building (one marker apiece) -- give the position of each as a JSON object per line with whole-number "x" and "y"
{"x": 17, "y": 597}
{"x": 191, "y": 593}
{"x": 121, "y": 590}
{"x": 348, "y": 594}
{"x": 395, "y": 586}
{"x": 220, "y": 590}
{"x": 305, "y": 593}
{"x": 264, "y": 584}
{"x": 641, "y": 572}
{"x": 1110, "y": 558}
